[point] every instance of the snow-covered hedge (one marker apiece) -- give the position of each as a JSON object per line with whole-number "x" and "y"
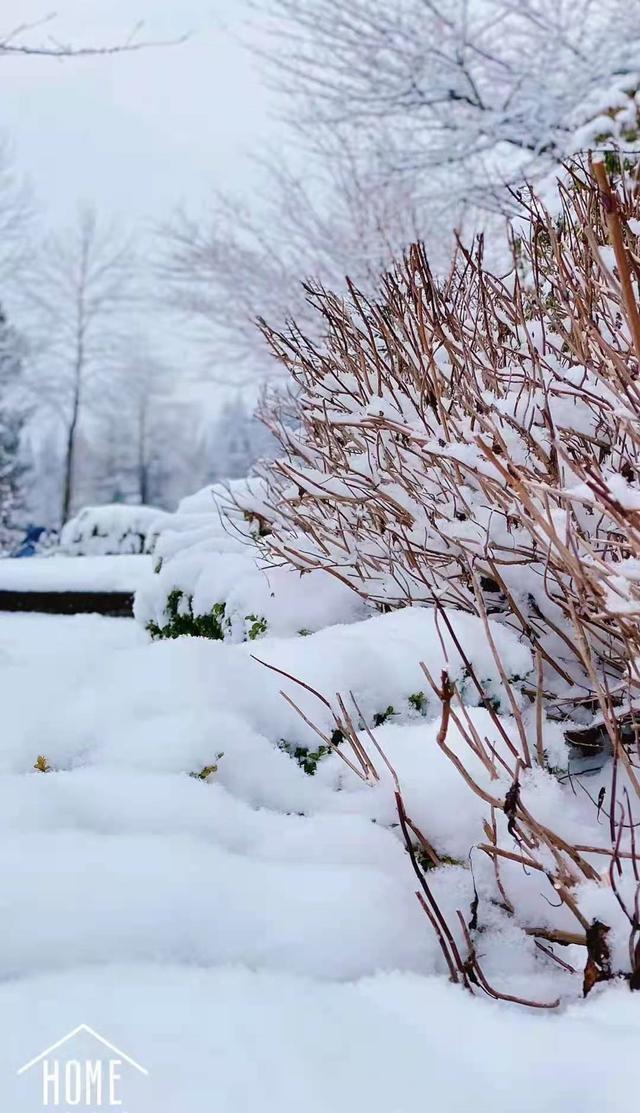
{"x": 210, "y": 580}
{"x": 111, "y": 530}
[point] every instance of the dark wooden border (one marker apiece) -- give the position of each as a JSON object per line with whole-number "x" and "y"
{"x": 118, "y": 604}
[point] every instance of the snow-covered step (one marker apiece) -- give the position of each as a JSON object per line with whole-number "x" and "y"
{"x": 72, "y": 585}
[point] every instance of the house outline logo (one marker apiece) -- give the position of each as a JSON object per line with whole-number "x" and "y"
{"x": 67, "y": 1081}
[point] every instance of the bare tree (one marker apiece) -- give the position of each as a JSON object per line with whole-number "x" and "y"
{"x": 143, "y": 443}
{"x": 249, "y": 258}
{"x": 16, "y": 214}
{"x": 14, "y": 411}
{"x": 81, "y": 289}
{"x": 22, "y": 40}
{"x": 141, "y": 405}
{"x": 236, "y": 440}
{"x": 475, "y": 94}
{"x": 410, "y": 120}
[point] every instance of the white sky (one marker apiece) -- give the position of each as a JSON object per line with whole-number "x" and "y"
{"x": 138, "y": 133}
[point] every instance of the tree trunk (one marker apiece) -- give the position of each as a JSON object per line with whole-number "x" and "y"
{"x": 144, "y": 484}
{"x": 143, "y": 468}
{"x": 67, "y": 493}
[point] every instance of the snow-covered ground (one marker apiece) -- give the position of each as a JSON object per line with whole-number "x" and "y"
{"x": 84, "y": 573}
{"x": 253, "y": 938}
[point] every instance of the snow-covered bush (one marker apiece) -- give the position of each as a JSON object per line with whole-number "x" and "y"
{"x": 112, "y": 530}
{"x": 475, "y": 444}
{"x": 424, "y": 398}
{"x": 210, "y": 580}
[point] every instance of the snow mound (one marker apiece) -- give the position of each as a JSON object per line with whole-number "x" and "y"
{"x": 110, "y": 530}
{"x": 207, "y": 563}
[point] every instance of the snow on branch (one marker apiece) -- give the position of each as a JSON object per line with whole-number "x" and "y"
{"x": 20, "y": 41}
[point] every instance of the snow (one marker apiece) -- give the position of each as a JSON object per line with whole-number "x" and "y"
{"x": 83, "y": 573}
{"x": 110, "y": 530}
{"x": 207, "y": 552}
{"x": 253, "y": 938}
{"x": 233, "y": 1039}
{"x": 288, "y": 601}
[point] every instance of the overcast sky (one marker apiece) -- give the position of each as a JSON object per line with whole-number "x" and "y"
{"x": 135, "y": 133}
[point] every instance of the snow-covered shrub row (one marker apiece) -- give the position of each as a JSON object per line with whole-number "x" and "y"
{"x": 210, "y": 580}
{"x": 111, "y": 530}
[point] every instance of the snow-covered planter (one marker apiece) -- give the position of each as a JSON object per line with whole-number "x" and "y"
{"x": 111, "y": 530}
